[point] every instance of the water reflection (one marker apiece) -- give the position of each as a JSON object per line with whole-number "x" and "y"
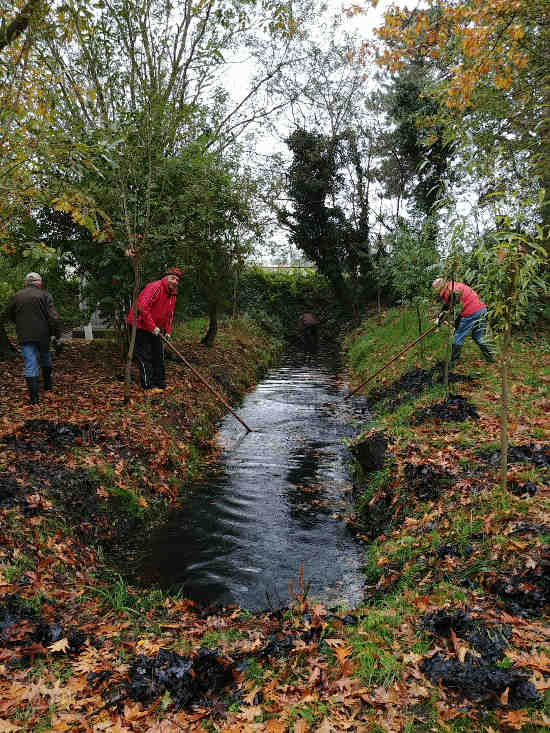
{"x": 276, "y": 500}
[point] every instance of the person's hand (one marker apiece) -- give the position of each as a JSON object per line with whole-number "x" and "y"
{"x": 156, "y": 331}
{"x": 167, "y": 336}
{"x": 439, "y": 319}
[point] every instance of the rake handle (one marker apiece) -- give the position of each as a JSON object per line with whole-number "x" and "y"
{"x": 206, "y": 384}
{"x": 377, "y": 372}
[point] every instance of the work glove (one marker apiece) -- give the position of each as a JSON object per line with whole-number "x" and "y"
{"x": 156, "y": 331}
{"x": 439, "y": 319}
{"x": 167, "y": 336}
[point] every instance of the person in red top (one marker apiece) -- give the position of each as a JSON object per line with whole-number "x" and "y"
{"x": 471, "y": 318}
{"x": 154, "y": 315}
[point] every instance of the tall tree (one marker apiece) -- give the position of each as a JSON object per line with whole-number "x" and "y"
{"x": 142, "y": 81}
{"x": 318, "y": 229}
{"x": 494, "y": 81}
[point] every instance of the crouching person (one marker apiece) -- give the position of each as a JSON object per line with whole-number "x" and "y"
{"x": 154, "y": 315}
{"x": 471, "y": 319}
{"x": 36, "y": 321}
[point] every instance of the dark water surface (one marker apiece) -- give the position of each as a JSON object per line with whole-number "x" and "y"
{"x": 276, "y": 499}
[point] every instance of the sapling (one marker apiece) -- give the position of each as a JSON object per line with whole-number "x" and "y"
{"x": 509, "y": 274}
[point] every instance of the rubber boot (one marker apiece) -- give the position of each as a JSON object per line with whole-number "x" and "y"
{"x": 487, "y": 353}
{"x": 32, "y": 384}
{"x": 455, "y": 355}
{"x": 47, "y": 377}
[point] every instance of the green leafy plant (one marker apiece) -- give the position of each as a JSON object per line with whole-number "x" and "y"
{"x": 510, "y": 266}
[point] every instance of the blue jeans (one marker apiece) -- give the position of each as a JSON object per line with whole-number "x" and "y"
{"x": 33, "y": 352}
{"x": 474, "y": 323}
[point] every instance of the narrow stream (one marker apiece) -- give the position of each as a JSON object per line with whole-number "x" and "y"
{"x": 276, "y": 499}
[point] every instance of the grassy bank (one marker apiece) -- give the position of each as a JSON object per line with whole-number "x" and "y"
{"x": 455, "y": 564}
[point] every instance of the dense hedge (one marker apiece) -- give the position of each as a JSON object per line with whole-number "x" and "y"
{"x": 277, "y": 298}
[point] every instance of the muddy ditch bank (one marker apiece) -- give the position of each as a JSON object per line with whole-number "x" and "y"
{"x": 45, "y": 476}
{"x": 403, "y": 489}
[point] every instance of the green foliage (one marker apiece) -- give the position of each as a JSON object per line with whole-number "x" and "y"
{"x": 417, "y": 138}
{"x": 509, "y": 276}
{"x": 414, "y": 261}
{"x": 277, "y": 298}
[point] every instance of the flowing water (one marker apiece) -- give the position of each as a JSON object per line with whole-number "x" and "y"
{"x": 277, "y": 498}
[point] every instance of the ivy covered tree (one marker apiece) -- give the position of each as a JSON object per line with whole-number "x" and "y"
{"x": 318, "y": 227}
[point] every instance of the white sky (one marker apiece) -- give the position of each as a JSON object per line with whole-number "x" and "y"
{"x": 237, "y": 75}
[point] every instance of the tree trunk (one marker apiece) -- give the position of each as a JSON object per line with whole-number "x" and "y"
{"x": 543, "y": 164}
{"x": 419, "y": 320}
{"x": 6, "y": 348}
{"x": 504, "y": 403}
{"x": 128, "y": 370}
{"x": 450, "y": 340}
{"x": 210, "y": 336}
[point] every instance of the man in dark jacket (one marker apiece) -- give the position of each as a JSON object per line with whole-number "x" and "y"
{"x": 36, "y": 320}
{"x": 155, "y": 313}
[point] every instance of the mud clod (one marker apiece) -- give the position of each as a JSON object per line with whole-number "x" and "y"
{"x": 480, "y": 682}
{"x": 454, "y": 409}
{"x": 489, "y": 641}
{"x": 476, "y": 677}
{"x": 187, "y": 679}
{"x": 411, "y": 384}
{"x": 525, "y": 594}
{"x": 536, "y": 453}
{"x": 443, "y": 551}
{"x": 45, "y": 436}
{"x": 522, "y": 489}
{"x": 427, "y": 481}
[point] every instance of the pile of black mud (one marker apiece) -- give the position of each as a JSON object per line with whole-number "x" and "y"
{"x": 526, "y": 592}
{"x": 411, "y": 384}
{"x": 426, "y": 480}
{"x": 455, "y": 408}
{"x": 21, "y": 626}
{"x": 536, "y": 453}
{"x": 46, "y": 436}
{"x": 526, "y": 488}
{"x": 187, "y": 679}
{"x": 475, "y": 675}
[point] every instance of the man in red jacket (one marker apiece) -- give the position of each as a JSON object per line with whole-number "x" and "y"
{"x": 472, "y": 316}
{"x": 155, "y": 312}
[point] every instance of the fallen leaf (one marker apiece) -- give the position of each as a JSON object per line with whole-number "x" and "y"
{"x": 59, "y": 646}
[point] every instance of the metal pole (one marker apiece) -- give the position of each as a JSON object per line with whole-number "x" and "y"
{"x": 409, "y": 346}
{"x": 203, "y": 380}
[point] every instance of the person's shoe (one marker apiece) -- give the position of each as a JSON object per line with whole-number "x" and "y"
{"x": 455, "y": 355}
{"x": 487, "y": 353}
{"x": 47, "y": 377}
{"x": 32, "y": 384}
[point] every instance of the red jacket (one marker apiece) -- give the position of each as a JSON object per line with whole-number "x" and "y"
{"x": 155, "y": 307}
{"x": 471, "y": 303}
